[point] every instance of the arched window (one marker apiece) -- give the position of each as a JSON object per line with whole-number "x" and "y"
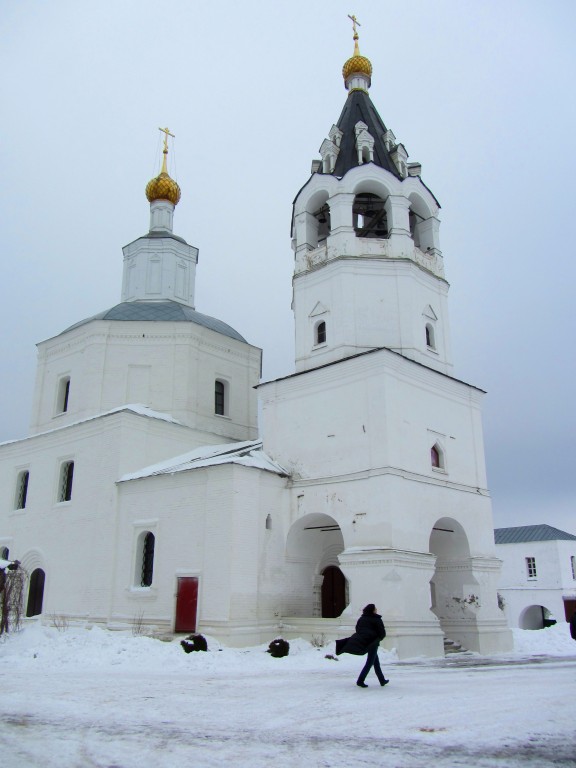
{"x": 35, "y": 593}
{"x": 63, "y": 395}
{"x": 147, "y": 542}
{"x": 369, "y": 216}
{"x": 268, "y": 522}
{"x": 220, "y": 404}
{"x": 66, "y": 479}
{"x": 430, "y": 340}
{"x": 4, "y": 553}
{"x": 437, "y": 457}
{"x": 320, "y": 334}
{"x": 22, "y": 490}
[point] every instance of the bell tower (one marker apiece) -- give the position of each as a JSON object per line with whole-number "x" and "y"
{"x": 368, "y": 270}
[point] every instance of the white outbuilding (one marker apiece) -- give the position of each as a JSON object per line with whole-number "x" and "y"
{"x": 538, "y": 579}
{"x": 147, "y": 492}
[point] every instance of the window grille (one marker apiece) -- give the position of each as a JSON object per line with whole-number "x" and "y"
{"x": 66, "y": 478}
{"x": 147, "y": 560}
{"x": 22, "y": 490}
{"x": 531, "y": 567}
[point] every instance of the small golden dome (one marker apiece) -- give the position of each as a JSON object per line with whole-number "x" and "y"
{"x": 163, "y": 188}
{"x": 356, "y": 64}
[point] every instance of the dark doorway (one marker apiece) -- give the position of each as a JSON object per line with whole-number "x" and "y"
{"x": 333, "y": 592}
{"x": 569, "y": 609}
{"x": 35, "y": 593}
{"x": 186, "y": 604}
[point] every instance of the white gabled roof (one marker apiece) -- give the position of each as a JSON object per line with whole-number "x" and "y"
{"x": 137, "y": 408}
{"x": 249, "y": 454}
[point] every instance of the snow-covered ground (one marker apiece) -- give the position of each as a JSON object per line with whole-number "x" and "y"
{"x": 91, "y": 698}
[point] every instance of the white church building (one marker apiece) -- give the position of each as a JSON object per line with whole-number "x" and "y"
{"x": 147, "y": 491}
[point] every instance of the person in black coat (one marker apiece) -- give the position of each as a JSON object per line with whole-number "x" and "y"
{"x": 573, "y": 626}
{"x": 369, "y": 631}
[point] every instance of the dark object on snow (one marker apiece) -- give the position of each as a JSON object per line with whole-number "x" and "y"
{"x": 279, "y": 648}
{"x": 369, "y": 631}
{"x": 331, "y": 656}
{"x": 573, "y": 626}
{"x": 194, "y": 643}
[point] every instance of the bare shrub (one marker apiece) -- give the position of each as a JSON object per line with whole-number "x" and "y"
{"x": 138, "y": 624}
{"x": 12, "y": 589}
{"x": 59, "y": 622}
{"x": 318, "y": 641}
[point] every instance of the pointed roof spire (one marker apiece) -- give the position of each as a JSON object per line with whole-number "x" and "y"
{"x": 162, "y": 187}
{"x": 357, "y": 65}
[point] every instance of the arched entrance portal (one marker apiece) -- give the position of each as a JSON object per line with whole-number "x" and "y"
{"x": 333, "y": 592}
{"x": 35, "y": 593}
{"x": 316, "y": 585}
{"x": 454, "y": 597}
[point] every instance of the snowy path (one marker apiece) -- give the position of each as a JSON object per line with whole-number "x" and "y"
{"x": 144, "y": 702}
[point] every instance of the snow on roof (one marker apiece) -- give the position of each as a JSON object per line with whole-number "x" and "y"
{"x": 524, "y": 533}
{"x": 4, "y": 564}
{"x": 248, "y": 453}
{"x": 137, "y": 408}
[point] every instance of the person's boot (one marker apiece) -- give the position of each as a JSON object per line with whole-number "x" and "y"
{"x": 361, "y": 684}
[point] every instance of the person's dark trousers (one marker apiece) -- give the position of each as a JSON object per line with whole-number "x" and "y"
{"x": 372, "y": 661}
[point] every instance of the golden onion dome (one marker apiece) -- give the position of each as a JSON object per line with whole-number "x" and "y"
{"x": 163, "y": 188}
{"x": 357, "y": 64}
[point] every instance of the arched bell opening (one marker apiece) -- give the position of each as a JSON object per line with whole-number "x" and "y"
{"x": 422, "y": 224}
{"x": 322, "y": 218}
{"x": 369, "y": 217}
{"x": 316, "y": 586}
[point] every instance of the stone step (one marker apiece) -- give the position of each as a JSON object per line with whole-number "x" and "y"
{"x": 453, "y": 646}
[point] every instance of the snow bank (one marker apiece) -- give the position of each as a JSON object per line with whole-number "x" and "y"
{"x": 38, "y": 646}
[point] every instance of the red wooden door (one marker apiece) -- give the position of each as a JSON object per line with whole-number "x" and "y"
{"x": 186, "y": 604}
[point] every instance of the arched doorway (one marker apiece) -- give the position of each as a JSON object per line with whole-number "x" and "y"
{"x": 535, "y": 617}
{"x": 453, "y": 591}
{"x": 312, "y": 548}
{"x": 333, "y": 592}
{"x": 35, "y": 593}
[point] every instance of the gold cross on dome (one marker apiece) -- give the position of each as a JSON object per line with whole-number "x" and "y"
{"x": 166, "y": 133}
{"x": 354, "y": 21}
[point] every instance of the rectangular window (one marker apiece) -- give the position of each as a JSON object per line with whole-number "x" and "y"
{"x": 63, "y": 395}
{"x": 531, "y": 567}
{"x": 573, "y": 565}
{"x": 66, "y": 478}
{"x": 22, "y": 489}
{"x": 219, "y": 398}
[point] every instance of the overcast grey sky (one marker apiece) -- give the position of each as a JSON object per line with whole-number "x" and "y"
{"x": 481, "y": 93}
